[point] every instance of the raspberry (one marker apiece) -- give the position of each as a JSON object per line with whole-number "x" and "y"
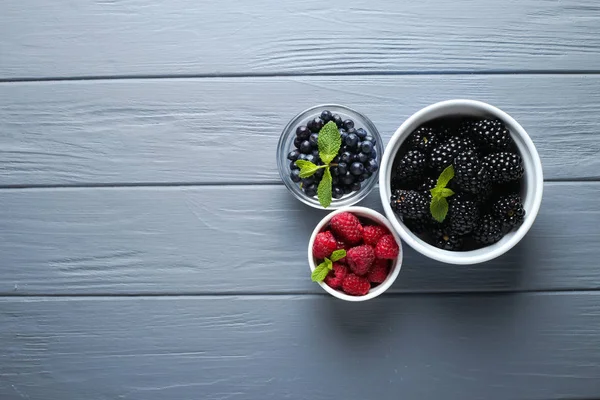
{"x": 336, "y": 276}
{"x": 324, "y": 244}
{"x": 356, "y": 285}
{"x": 387, "y": 248}
{"x": 372, "y": 234}
{"x": 379, "y": 271}
{"x": 360, "y": 259}
{"x": 341, "y": 245}
{"x": 347, "y": 227}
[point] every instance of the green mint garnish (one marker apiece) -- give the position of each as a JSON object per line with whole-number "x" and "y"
{"x": 329, "y": 142}
{"x": 439, "y": 204}
{"x": 338, "y": 255}
{"x": 307, "y": 168}
{"x": 324, "y": 190}
{"x": 320, "y": 273}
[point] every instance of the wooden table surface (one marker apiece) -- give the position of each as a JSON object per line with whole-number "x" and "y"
{"x": 148, "y": 249}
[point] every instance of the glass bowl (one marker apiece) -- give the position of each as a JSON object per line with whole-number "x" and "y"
{"x": 286, "y": 144}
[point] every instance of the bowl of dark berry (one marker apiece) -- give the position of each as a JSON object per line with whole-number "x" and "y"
{"x": 461, "y": 181}
{"x": 328, "y": 156}
{"x": 354, "y": 254}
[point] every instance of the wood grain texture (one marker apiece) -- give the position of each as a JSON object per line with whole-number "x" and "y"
{"x": 525, "y": 346}
{"x": 146, "y": 37}
{"x": 226, "y": 130}
{"x": 246, "y": 239}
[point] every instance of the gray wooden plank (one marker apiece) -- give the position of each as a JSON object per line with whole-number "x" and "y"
{"x": 511, "y": 346}
{"x": 212, "y": 130}
{"x": 251, "y": 239}
{"x": 57, "y": 39}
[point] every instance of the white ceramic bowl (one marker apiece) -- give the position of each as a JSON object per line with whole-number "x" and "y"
{"x": 365, "y": 213}
{"x": 531, "y": 193}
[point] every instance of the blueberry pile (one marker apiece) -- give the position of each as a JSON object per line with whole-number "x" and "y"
{"x": 488, "y": 172}
{"x": 356, "y": 161}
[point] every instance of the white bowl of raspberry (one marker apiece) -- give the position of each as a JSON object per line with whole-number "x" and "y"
{"x": 354, "y": 254}
{"x": 461, "y": 181}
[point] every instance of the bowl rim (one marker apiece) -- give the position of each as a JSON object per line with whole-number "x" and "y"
{"x": 335, "y": 203}
{"x": 466, "y": 257}
{"x": 376, "y": 217}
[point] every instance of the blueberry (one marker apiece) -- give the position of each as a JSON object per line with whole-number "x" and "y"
{"x": 373, "y": 153}
{"x": 342, "y": 168}
{"x": 346, "y": 157}
{"x": 293, "y": 155}
{"x": 314, "y": 140}
{"x": 351, "y": 140}
{"x": 361, "y": 133}
{"x": 297, "y": 142}
{"x": 326, "y": 116}
{"x": 347, "y": 190}
{"x": 335, "y": 171}
{"x": 302, "y": 132}
{"x": 371, "y": 139}
{"x": 295, "y": 175}
{"x": 308, "y": 181}
{"x": 338, "y": 120}
{"x": 337, "y": 192}
{"x": 315, "y": 125}
{"x": 343, "y": 135}
{"x": 310, "y": 158}
{"x": 351, "y": 130}
{"x": 319, "y": 174}
{"x": 336, "y": 160}
{"x": 302, "y": 156}
{"x": 335, "y": 180}
{"x": 355, "y": 186}
{"x": 315, "y": 153}
{"x": 293, "y": 165}
{"x": 347, "y": 179}
{"x": 354, "y": 158}
{"x": 362, "y": 157}
{"x": 310, "y": 190}
{"x": 348, "y": 124}
{"x": 363, "y": 177}
{"x": 372, "y": 165}
{"x": 305, "y": 147}
{"x": 357, "y": 168}
{"x": 366, "y": 147}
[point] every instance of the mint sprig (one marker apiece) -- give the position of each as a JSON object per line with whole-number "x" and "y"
{"x": 329, "y": 143}
{"x": 439, "y": 204}
{"x": 321, "y": 271}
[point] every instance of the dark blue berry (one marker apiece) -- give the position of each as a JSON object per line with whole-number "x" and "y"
{"x": 373, "y": 153}
{"x": 366, "y": 147}
{"x": 315, "y": 124}
{"x": 314, "y": 140}
{"x": 335, "y": 171}
{"x": 342, "y": 168}
{"x": 371, "y": 139}
{"x": 372, "y": 165}
{"x": 310, "y": 190}
{"x": 302, "y": 132}
{"x": 338, "y": 120}
{"x": 347, "y": 179}
{"x": 363, "y": 177}
{"x": 337, "y": 192}
{"x": 305, "y": 147}
{"x": 293, "y": 165}
{"x": 355, "y": 186}
{"x": 335, "y": 180}
{"x": 308, "y": 181}
{"x": 354, "y": 158}
{"x": 295, "y": 175}
{"x": 361, "y": 133}
{"x": 357, "y": 168}
{"x": 351, "y": 130}
{"x": 336, "y": 160}
{"x": 319, "y": 174}
{"x": 310, "y": 158}
{"x": 302, "y": 156}
{"x": 315, "y": 153}
{"x": 347, "y": 190}
{"x": 297, "y": 142}
{"x": 293, "y": 155}
{"x": 348, "y": 124}
{"x": 346, "y": 157}
{"x": 343, "y": 135}
{"x": 326, "y": 115}
{"x": 351, "y": 140}
{"x": 362, "y": 157}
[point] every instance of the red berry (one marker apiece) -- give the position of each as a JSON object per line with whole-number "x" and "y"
{"x": 324, "y": 244}
{"x": 347, "y": 227}
{"x": 342, "y": 245}
{"x": 356, "y": 285}
{"x": 387, "y": 248}
{"x": 379, "y": 271}
{"x": 372, "y": 234}
{"x": 360, "y": 259}
{"x": 336, "y": 276}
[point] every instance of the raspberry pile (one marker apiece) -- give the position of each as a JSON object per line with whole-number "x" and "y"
{"x": 488, "y": 172}
{"x": 370, "y": 251}
{"x": 356, "y": 160}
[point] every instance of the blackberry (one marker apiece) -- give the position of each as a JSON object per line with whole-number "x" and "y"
{"x": 491, "y": 135}
{"x": 443, "y": 155}
{"x": 409, "y": 203}
{"x": 445, "y": 239}
{"x": 503, "y": 167}
{"x": 428, "y": 184}
{"x": 469, "y": 174}
{"x": 423, "y": 139}
{"x": 465, "y": 129}
{"x": 487, "y": 230}
{"x": 411, "y": 167}
{"x": 509, "y": 210}
{"x": 462, "y": 214}
{"x": 417, "y": 226}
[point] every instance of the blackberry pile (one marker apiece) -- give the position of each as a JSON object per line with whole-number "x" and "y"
{"x": 356, "y": 161}
{"x": 488, "y": 172}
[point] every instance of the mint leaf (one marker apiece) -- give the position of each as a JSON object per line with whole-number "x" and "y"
{"x": 320, "y": 273}
{"x": 324, "y": 191}
{"x": 436, "y": 191}
{"x": 307, "y": 168}
{"x": 438, "y": 208}
{"x": 338, "y": 255}
{"x": 445, "y": 176}
{"x": 329, "y": 142}
{"x": 445, "y": 192}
